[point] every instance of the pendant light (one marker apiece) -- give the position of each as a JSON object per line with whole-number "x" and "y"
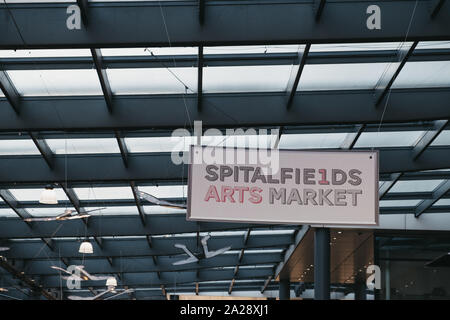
{"x": 111, "y": 284}
{"x": 48, "y": 196}
{"x": 86, "y": 247}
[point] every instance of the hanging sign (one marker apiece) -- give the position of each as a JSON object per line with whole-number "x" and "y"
{"x": 283, "y": 186}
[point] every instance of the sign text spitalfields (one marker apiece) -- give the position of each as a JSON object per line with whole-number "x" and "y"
{"x": 331, "y": 193}
{"x": 308, "y": 187}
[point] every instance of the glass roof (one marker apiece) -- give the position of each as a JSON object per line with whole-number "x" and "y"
{"x": 104, "y": 193}
{"x": 423, "y": 74}
{"x": 399, "y": 203}
{"x": 152, "y": 80}
{"x": 55, "y": 82}
{"x": 415, "y": 186}
{"x": 34, "y": 194}
{"x": 18, "y": 147}
{"x": 388, "y": 139}
{"x": 83, "y": 146}
{"x": 312, "y": 140}
{"x": 354, "y": 76}
{"x": 134, "y": 77}
{"x": 245, "y": 78}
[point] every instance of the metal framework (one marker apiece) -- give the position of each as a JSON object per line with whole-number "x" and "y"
{"x": 139, "y": 249}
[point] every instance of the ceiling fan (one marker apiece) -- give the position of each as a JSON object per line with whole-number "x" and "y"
{"x": 163, "y": 203}
{"x": 98, "y": 296}
{"x": 196, "y": 257}
{"x": 68, "y": 214}
{"x": 84, "y": 275}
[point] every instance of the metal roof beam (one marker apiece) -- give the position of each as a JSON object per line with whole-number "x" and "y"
{"x": 428, "y": 138}
{"x": 387, "y": 185}
{"x": 318, "y": 6}
{"x": 352, "y": 137}
{"x": 139, "y": 206}
{"x": 200, "y": 78}
{"x": 387, "y": 79}
{"x": 126, "y": 24}
{"x": 43, "y": 148}
{"x": 296, "y": 73}
{"x": 138, "y": 247}
{"x": 159, "y": 167}
{"x": 221, "y": 60}
{"x": 201, "y": 11}
{"x": 12, "y": 202}
{"x": 435, "y": 7}
{"x": 25, "y": 279}
{"x": 9, "y": 91}
{"x": 83, "y": 5}
{"x": 160, "y": 224}
{"x": 308, "y": 108}
{"x": 169, "y": 278}
{"x": 269, "y": 279}
{"x": 425, "y": 205}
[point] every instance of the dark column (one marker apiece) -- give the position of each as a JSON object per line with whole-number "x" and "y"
{"x": 285, "y": 289}
{"x": 360, "y": 290}
{"x": 322, "y": 264}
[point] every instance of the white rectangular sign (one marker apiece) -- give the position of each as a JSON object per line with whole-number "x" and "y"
{"x": 289, "y": 186}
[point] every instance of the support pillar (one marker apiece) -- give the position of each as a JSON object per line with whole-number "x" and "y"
{"x": 322, "y": 264}
{"x": 360, "y": 290}
{"x": 285, "y": 289}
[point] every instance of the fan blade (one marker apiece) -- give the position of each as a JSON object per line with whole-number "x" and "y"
{"x": 126, "y": 291}
{"x": 60, "y": 269}
{"x": 163, "y": 203}
{"x": 186, "y": 261}
{"x": 79, "y": 216}
{"x": 40, "y": 219}
{"x": 185, "y": 249}
{"x": 93, "y": 210}
{"x": 79, "y": 298}
{"x": 98, "y": 278}
{"x": 217, "y": 252}
{"x": 72, "y": 277}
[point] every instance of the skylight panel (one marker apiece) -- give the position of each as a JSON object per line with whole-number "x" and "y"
{"x": 113, "y": 210}
{"x": 35, "y": 194}
{"x": 166, "y": 51}
{"x": 443, "y": 139}
{"x": 245, "y": 78}
{"x": 47, "y": 211}
{"x": 388, "y": 139}
{"x": 45, "y": 53}
{"x": 253, "y": 49}
{"x": 400, "y": 203}
{"x": 163, "y": 210}
{"x": 159, "y": 144}
{"x": 415, "y": 186}
{"x": 368, "y": 46}
{"x": 7, "y": 213}
{"x": 104, "y": 193}
{"x": 312, "y": 140}
{"x": 175, "y": 191}
{"x": 442, "y": 202}
{"x": 351, "y": 76}
{"x": 18, "y": 147}
{"x": 56, "y": 82}
{"x": 423, "y": 74}
{"x": 152, "y": 80}
{"x": 83, "y": 146}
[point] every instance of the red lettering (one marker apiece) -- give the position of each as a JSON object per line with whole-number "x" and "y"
{"x": 241, "y": 191}
{"x": 212, "y": 193}
{"x": 227, "y": 192}
{"x": 255, "y": 195}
